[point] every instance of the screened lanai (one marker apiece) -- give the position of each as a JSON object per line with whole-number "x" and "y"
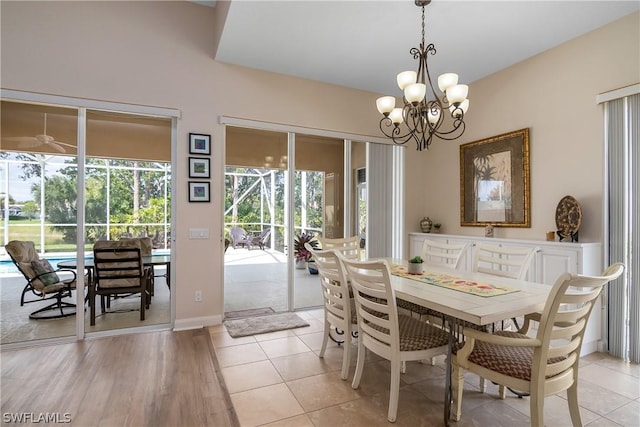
{"x": 259, "y": 177}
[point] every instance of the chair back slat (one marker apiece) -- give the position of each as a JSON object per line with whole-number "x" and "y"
{"x": 441, "y": 254}
{"x": 118, "y": 264}
{"x": 146, "y": 244}
{"x": 335, "y": 289}
{"x": 503, "y": 261}
{"x": 348, "y": 247}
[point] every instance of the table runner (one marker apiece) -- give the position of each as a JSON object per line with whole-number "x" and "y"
{"x": 481, "y": 289}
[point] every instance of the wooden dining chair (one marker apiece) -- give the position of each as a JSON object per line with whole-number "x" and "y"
{"x": 437, "y": 254}
{"x": 396, "y": 337}
{"x": 349, "y": 247}
{"x": 503, "y": 261}
{"x": 540, "y": 365}
{"x": 339, "y": 307}
{"x": 511, "y": 262}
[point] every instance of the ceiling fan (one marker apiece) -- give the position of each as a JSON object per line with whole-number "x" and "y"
{"x": 39, "y": 140}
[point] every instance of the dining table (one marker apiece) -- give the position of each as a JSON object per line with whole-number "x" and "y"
{"x": 461, "y": 296}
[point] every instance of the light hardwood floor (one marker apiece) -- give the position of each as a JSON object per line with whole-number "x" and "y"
{"x": 149, "y": 379}
{"x": 276, "y": 379}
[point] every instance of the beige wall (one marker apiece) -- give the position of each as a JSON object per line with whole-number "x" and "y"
{"x": 554, "y": 95}
{"x": 160, "y": 54}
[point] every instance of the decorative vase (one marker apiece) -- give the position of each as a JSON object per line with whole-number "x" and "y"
{"x": 488, "y": 231}
{"x": 311, "y": 266}
{"x": 415, "y": 268}
{"x": 426, "y": 224}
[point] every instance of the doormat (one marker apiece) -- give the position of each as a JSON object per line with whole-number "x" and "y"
{"x": 248, "y": 313}
{"x": 263, "y": 324}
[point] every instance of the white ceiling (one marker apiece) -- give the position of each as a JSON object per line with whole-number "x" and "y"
{"x": 365, "y": 44}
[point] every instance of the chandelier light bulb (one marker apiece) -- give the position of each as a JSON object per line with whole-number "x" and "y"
{"x": 458, "y": 93}
{"x": 268, "y": 159}
{"x": 406, "y": 78}
{"x": 462, "y": 108}
{"x": 396, "y": 116}
{"x": 433, "y": 115}
{"x": 415, "y": 93}
{"x": 446, "y": 80}
{"x": 385, "y": 104}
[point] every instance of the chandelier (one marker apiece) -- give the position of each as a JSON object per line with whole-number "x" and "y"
{"x": 423, "y": 113}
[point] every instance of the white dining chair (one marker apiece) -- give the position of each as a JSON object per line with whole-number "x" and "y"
{"x": 446, "y": 255}
{"x": 339, "y": 306}
{"x": 349, "y": 247}
{"x": 511, "y": 262}
{"x": 441, "y": 255}
{"x": 540, "y": 365}
{"x": 381, "y": 329}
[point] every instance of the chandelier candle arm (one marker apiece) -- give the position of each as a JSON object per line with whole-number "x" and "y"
{"x": 423, "y": 112}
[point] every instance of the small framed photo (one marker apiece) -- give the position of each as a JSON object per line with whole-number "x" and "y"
{"x": 199, "y": 144}
{"x": 199, "y": 167}
{"x": 199, "y": 192}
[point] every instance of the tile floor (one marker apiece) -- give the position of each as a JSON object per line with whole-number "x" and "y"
{"x": 277, "y": 379}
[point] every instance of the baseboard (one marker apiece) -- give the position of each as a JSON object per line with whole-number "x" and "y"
{"x": 197, "y": 322}
{"x": 590, "y": 347}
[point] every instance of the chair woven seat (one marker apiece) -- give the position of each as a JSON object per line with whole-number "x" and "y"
{"x": 512, "y": 361}
{"x": 418, "y": 335}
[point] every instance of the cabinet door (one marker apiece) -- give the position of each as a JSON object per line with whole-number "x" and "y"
{"x": 554, "y": 262}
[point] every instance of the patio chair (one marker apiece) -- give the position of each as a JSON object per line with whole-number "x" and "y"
{"x": 262, "y": 239}
{"x": 118, "y": 271}
{"x": 239, "y": 237}
{"x": 541, "y": 366}
{"x": 43, "y": 281}
{"x": 146, "y": 250}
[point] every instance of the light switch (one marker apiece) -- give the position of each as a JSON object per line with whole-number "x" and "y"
{"x": 198, "y": 233}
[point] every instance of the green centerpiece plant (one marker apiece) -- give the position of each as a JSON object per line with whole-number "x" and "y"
{"x": 415, "y": 265}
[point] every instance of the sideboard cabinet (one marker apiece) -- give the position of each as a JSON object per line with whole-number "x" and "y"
{"x": 551, "y": 260}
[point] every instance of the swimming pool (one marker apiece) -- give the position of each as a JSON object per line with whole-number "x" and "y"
{"x": 7, "y": 267}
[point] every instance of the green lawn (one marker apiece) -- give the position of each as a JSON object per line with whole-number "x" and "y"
{"x": 29, "y": 229}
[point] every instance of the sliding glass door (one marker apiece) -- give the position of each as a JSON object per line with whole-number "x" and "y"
{"x": 284, "y": 186}
{"x": 124, "y": 177}
{"x": 37, "y": 198}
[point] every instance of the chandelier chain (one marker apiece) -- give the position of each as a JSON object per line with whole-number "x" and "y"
{"x": 423, "y": 26}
